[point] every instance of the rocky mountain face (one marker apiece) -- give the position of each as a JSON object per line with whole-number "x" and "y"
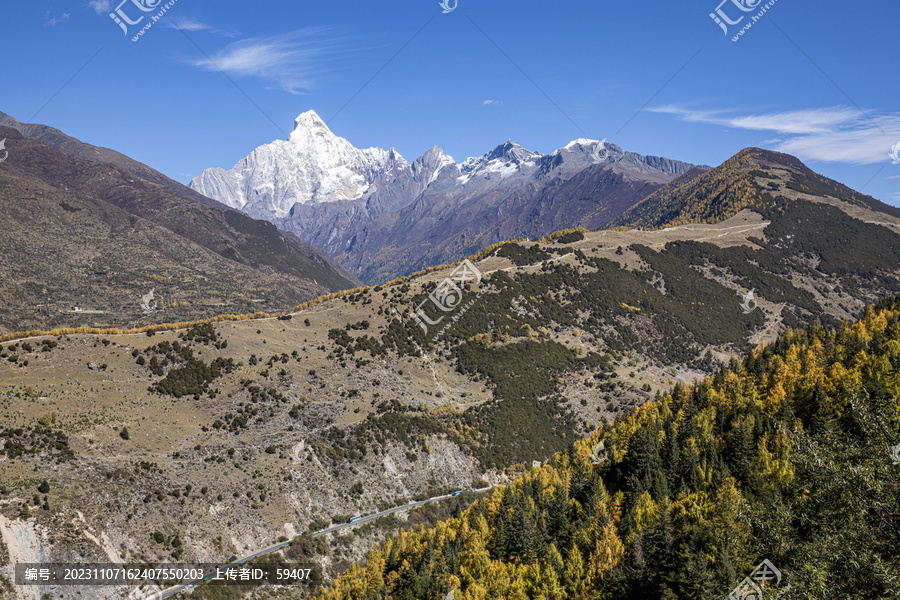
{"x": 382, "y": 217}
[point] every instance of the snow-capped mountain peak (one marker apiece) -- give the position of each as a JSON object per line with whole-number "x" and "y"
{"x": 311, "y": 133}
{"x": 600, "y": 150}
{"x": 583, "y": 152}
{"x": 310, "y": 119}
{"x": 430, "y": 165}
{"x": 436, "y": 154}
{"x": 312, "y": 166}
{"x": 512, "y": 152}
{"x": 500, "y": 163}
{"x": 582, "y": 142}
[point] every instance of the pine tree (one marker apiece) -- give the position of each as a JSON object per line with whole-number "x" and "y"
{"x": 824, "y": 420}
{"x": 553, "y": 560}
{"x": 739, "y": 449}
{"x": 558, "y": 525}
{"x": 659, "y": 544}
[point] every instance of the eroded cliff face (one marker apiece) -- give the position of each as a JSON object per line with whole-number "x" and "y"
{"x": 95, "y": 519}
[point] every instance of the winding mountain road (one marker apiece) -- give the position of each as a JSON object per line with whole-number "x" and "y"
{"x": 168, "y": 593}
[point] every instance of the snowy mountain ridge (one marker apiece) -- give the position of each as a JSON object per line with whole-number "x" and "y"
{"x": 380, "y": 216}
{"x": 314, "y": 166}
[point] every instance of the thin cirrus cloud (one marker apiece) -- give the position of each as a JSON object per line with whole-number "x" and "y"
{"x": 186, "y": 24}
{"x": 491, "y": 103}
{"x": 289, "y": 61}
{"x": 833, "y": 134}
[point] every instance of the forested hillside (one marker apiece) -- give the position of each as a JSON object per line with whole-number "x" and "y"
{"x": 785, "y": 456}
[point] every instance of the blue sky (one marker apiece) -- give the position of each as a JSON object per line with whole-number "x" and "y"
{"x": 210, "y": 81}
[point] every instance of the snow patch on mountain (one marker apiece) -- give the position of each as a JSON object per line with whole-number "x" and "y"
{"x": 505, "y": 161}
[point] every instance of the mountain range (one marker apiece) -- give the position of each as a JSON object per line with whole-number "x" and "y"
{"x": 201, "y": 442}
{"x": 383, "y": 217}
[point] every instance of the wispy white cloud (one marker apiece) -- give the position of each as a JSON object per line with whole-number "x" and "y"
{"x": 817, "y": 120}
{"x": 192, "y": 25}
{"x": 53, "y": 21}
{"x": 101, "y": 6}
{"x": 289, "y": 61}
{"x": 830, "y": 134}
{"x": 491, "y": 102}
